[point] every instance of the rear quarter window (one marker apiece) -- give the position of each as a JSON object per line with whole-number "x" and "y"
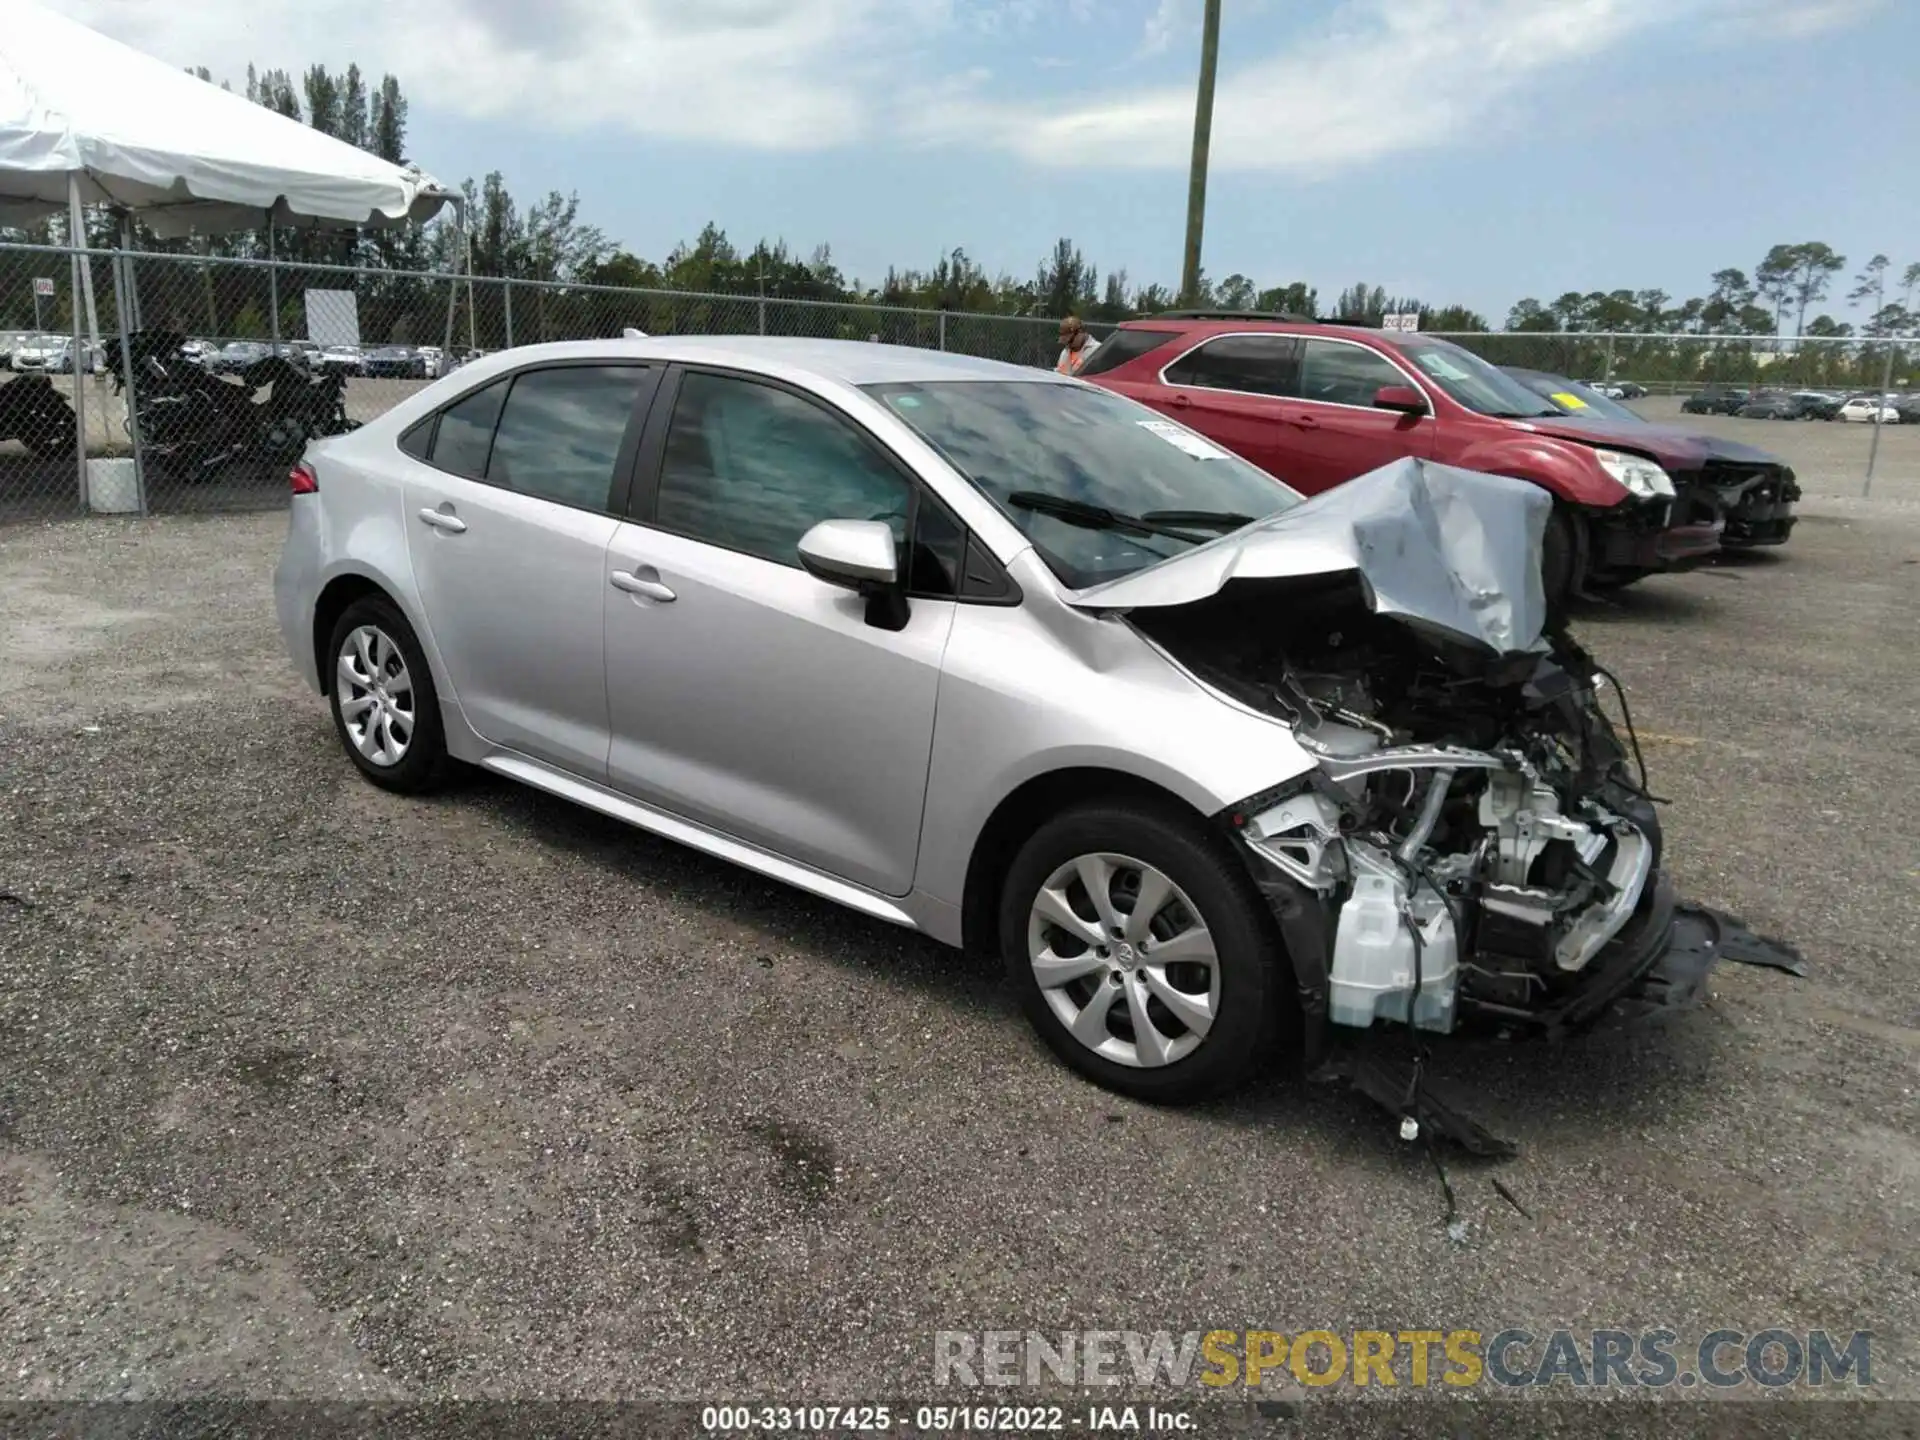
{"x": 1124, "y": 345}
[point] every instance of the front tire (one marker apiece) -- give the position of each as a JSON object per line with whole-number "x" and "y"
{"x": 1561, "y": 560}
{"x": 1141, "y": 951}
{"x": 384, "y": 706}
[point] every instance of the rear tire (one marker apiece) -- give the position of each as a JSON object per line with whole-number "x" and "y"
{"x": 1200, "y": 972}
{"x": 384, "y": 706}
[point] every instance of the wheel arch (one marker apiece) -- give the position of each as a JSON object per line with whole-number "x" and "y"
{"x": 343, "y": 589}
{"x": 1022, "y": 811}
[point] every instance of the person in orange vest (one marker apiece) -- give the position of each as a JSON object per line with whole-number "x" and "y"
{"x": 1076, "y": 346}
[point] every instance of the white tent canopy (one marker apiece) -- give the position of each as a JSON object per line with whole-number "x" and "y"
{"x": 80, "y": 110}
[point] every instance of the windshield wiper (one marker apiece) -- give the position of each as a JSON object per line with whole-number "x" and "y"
{"x": 1217, "y": 519}
{"x": 1099, "y": 517}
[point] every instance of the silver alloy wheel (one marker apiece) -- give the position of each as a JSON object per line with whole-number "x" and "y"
{"x": 1124, "y": 960}
{"x": 376, "y": 695}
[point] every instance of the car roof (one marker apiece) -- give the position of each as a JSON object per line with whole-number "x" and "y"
{"x": 1222, "y": 324}
{"x": 849, "y": 362}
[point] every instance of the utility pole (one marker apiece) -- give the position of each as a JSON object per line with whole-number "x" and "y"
{"x": 1202, "y": 138}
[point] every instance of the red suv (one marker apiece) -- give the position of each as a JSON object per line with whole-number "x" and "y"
{"x": 1317, "y": 404}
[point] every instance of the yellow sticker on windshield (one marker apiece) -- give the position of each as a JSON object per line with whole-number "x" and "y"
{"x": 1566, "y": 401}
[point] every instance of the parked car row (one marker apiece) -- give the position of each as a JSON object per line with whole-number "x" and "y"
{"x": 1318, "y": 405}
{"x": 1228, "y": 759}
{"x": 1765, "y": 404}
{"x": 407, "y": 362}
{"x": 26, "y": 352}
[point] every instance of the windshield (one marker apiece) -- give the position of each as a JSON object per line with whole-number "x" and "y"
{"x": 1474, "y": 383}
{"x": 1582, "y": 402}
{"x": 1045, "y": 452}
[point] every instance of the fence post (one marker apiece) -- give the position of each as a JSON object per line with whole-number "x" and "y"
{"x": 1879, "y": 404}
{"x": 1608, "y": 377}
{"x": 943, "y": 329}
{"x": 77, "y": 240}
{"x": 506, "y": 307}
{"x": 273, "y": 286}
{"x": 123, "y": 308}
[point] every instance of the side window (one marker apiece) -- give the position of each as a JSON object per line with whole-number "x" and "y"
{"x": 417, "y": 441}
{"x": 1252, "y": 364}
{"x": 1341, "y": 374}
{"x": 752, "y": 468}
{"x": 561, "y": 431}
{"x": 465, "y": 433}
{"x": 1124, "y": 345}
{"x": 939, "y": 557}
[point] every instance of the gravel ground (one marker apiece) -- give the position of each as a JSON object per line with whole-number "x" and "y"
{"x": 311, "y": 1091}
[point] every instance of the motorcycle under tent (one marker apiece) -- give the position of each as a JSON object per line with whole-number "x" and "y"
{"x": 86, "y": 120}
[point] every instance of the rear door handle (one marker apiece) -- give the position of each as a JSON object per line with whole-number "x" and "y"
{"x": 444, "y": 520}
{"x": 1303, "y": 422}
{"x": 647, "y": 585}
{"x": 1178, "y": 402}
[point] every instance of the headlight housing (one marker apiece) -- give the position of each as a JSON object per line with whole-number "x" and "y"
{"x": 1637, "y": 473}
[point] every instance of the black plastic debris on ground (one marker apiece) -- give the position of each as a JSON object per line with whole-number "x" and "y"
{"x": 1744, "y": 947}
{"x": 1395, "y": 1087}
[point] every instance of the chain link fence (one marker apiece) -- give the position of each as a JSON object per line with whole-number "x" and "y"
{"x": 218, "y": 371}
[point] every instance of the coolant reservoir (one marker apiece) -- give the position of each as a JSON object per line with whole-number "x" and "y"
{"x": 1373, "y": 950}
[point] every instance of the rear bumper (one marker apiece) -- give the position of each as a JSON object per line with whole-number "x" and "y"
{"x": 296, "y": 586}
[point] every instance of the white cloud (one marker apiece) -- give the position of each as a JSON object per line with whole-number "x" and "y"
{"x": 769, "y": 74}
{"x": 1381, "y": 78}
{"x": 1168, "y": 19}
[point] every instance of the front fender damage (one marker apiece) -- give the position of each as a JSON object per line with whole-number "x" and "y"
{"x": 1476, "y": 844}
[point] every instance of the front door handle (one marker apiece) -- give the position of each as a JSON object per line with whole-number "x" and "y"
{"x": 1178, "y": 402}
{"x": 647, "y": 585}
{"x": 1303, "y": 422}
{"x": 444, "y": 520}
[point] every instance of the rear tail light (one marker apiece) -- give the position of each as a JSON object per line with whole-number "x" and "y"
{"x": 303, "y": 480}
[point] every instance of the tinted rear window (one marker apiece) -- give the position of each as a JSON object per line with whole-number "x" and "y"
{"x": 466, "y": 432}
{"x": 1124, "y": 345}
{"x": 561, "y": 432}
{"x": 1252, "y": 364}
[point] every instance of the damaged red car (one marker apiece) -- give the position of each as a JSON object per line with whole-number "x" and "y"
{"x": 1319, "y": 404}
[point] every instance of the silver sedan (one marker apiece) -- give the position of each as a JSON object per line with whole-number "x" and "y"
{"x": 996, "y": 655}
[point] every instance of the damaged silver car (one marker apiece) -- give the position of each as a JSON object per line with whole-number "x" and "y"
{"x": 1222, "y": 774}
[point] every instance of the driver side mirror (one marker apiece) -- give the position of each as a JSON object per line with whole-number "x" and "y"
{"x": 1402, "y": 398}
{"x": 859, "y": 555}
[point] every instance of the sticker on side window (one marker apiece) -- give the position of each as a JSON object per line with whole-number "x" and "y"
{"x": 1566, "y": 401}
{"x": 1184, "y": 441}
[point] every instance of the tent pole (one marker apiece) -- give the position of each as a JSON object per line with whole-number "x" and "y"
{"x": 133, "y": 281}
{"x": 77, "y": 240}
{"x": 273, "y": 287}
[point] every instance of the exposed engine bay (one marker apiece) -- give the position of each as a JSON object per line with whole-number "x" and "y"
{"x": 1477, "y": 838}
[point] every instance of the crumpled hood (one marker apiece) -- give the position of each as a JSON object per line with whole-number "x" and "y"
{"x": 1677, "y": 449}
{"x": 1448, "y": 547}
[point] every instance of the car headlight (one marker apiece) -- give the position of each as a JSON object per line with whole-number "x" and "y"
{"x": 1637, "y": 473}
